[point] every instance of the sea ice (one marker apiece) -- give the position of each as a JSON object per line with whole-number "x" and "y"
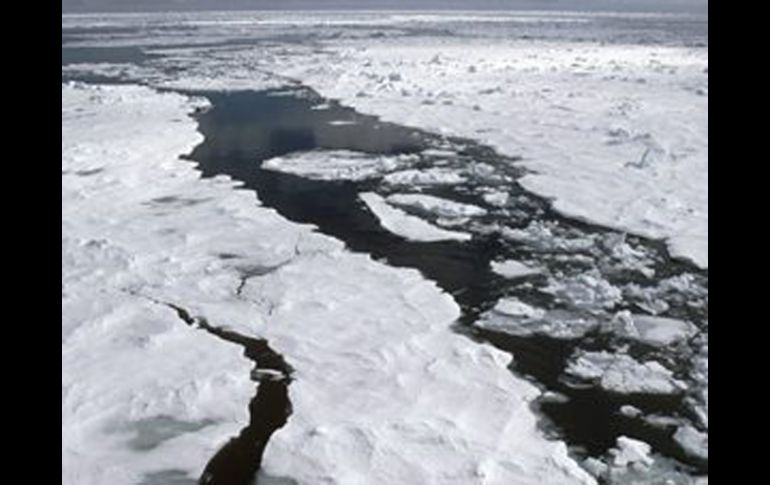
{"x": 435, "y": 205}
{"x": 589, "y": 291}
{"x": 496, "y": 198}
{"x": 515, "y": 317}
{"x": 693, "y": 442}
{"x": 511, "y": 269}
{"x": 336, "y": 164}
{"x": 632, "y": 462}
{"x": 651, "y": 330}
{"x": 383, "y": 390}
{"x": 630, "y": 451}
{"x": 623, "y": 374}
{"x": 516, "y": 308}
{"x": 430, "y": 176}
{"x": 407, "y": 226}
{"x": 543, "y": 237}
{"x": 615, "y": 132}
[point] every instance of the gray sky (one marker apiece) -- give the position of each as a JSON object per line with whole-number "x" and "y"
{"x": 699, "y": 6}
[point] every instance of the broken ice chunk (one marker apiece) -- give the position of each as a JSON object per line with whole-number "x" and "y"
{"x": 511, "y": 269}
{"x": 693, "y": 442}
{"x": 657, "y": 331}
{"x": 587, "y": 290}
{"x": 623, "y": 374}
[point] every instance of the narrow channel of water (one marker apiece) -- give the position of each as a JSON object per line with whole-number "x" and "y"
{"x": 238, "y": 461}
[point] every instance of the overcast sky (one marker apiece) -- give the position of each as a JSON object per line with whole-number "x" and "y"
{"x": 700, "y": 6}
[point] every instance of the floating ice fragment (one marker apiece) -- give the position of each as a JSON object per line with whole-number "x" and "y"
{"x": 336, "y": 164}
{"x": 587, "y": 290}
{"x": 435, "y": 205}
{"x": 623, "y": 374}
{"x": 630, "y": 451}
{"x": 496, "y": 198}
{"x": 410, "y": 227}
{"x": 431, "y": 176}
{"x": 542, "y": 236}
{"x": 511, "y": 269}
{"x": 517, "y": 308}
{"x": 658, "y": 331}
{"x": 515, "y": 317}
{"x": 693, "y": 442}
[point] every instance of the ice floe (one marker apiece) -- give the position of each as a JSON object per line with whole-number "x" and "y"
{"x": 632, "y": 462}
{"x": 512, "y": 269}
{"x": 514, "y": 317}
{"x": 407, "y": 226}
{"x": 336, "y": 164}
{"x": 588, "y": 290}
{"x": 496, "y": 198}
{"x": 621, "y": 373}
{"x": 430, "y": 176}
{"x": 435, "y": 205}
{"x": 543, "y": 236}
{"x": 693, "y": 442}
{"x": 649, "y": 329}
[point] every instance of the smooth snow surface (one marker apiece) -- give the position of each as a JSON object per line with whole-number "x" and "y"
{"x": 383, "y": 392}
{"x": 410, "y": 227}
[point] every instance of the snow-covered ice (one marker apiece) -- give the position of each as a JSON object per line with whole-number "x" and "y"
{"x": 542, "y": 236}
{"x": 517, "y": 308}
{"x": 383, "y": 389}
{"x": 615, "y": 133}
{"x": 587, "y": 290}
{"x": 632, "y": 462}
{"x": 435, "y": 205}
{"x": 631, "y": 451}
{"x": 611, "y": 129}
{"x": 127, "y": 362}
{"x": 514, "y": 317}
{"x": 430, "y": 176}
{"x": 512, "y": 269}
{"x": 336, "y": 164}
{"x": 621, "y": 373}
{"x": 496, "y": 198}
{"x": 649, "y": 329}
{"x": 693, "y": 442}
{"x": 407, "y": 226}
